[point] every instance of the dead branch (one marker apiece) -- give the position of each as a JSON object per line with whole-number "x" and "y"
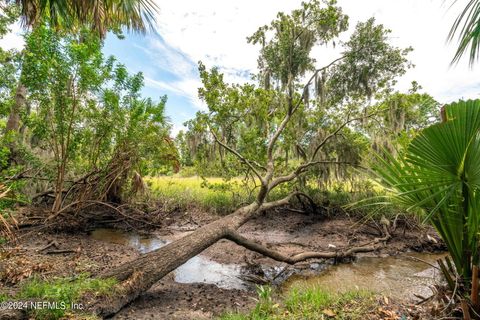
{"x": 80, "y": 180}
{"x": 60, "y": 251}
{"x": 50, "y": 244}
{"x": 95, "y": 202}
{"x": 278, "y": 256}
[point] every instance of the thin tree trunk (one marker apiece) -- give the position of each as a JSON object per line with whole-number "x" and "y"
{"x": 57, "y": 204}
{"x": 13, "y": 122}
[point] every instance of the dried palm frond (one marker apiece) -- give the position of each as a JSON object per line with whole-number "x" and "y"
{"x": 7, "y": 221}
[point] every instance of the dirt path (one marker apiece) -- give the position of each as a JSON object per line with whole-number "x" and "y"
{"x": 286, "y": 231}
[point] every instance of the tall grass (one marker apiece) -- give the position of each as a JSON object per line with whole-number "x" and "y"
{"x": 212, "y": 194}
{"x": 221, "y": 197}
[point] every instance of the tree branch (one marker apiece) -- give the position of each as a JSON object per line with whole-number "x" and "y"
{"x": 303, "y": 167}
{"x": 278, "y": 203}
{"x": 278, "y": 256}
{"x": 289, "y": 114}
{"x": 250, "y": 164}
{"x": 334, "y": 133}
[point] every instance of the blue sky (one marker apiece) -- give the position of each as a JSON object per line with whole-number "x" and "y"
{"x": 215, "y": 31}
{"x": 141, "y": 54}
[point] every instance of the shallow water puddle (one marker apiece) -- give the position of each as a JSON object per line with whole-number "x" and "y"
{"x": 400, "y": 276}
{"x": 141, "y": 243}
{"x": 199, "y": 269}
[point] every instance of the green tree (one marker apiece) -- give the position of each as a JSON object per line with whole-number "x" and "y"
{"x": 89, "y": 114}
{"x": 405, "y": 114}
{"x": 61, "y": 73}
{"x": 182, "y": 143}
{"x": 72, "y": 16}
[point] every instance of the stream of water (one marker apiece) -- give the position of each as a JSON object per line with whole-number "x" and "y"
{"x": 402, "y": 276}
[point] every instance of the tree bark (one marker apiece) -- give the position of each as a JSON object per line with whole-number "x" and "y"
{"x": 139, "y": 275}
{"x": 13, "y": 122}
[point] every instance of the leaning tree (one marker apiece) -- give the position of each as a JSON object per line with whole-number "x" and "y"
{"x": 284, "y": 62}
{"x": 249, "y": 123}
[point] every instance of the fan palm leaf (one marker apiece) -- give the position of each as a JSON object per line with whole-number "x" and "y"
{"x": 440, "y": 174}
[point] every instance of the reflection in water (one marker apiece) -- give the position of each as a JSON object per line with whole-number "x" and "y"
{"x": 400, "y": 276}
{"x": 199, "y": 269}
{"x": 142, "y": 244}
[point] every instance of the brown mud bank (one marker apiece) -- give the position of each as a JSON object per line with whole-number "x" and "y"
{"x": 220, "y": 279}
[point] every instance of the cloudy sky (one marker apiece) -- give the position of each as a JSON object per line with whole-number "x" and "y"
{"x": 215, "y": 31}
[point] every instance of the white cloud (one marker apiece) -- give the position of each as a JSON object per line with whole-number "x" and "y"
{"x": 170, "y": 59}
{"x": 187, "y": 88}
{"x": 215, "y": 32}
{"x": 176, "y": 128}
{"x": 14, "y": 39}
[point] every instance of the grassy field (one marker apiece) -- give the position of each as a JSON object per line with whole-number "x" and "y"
{"x": 212, "y": 194}
{"x": 221, "y": 197}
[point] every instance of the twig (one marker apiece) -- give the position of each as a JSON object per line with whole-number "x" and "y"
{"x": 60, "y": 251}
{"x": 426, "y": 262}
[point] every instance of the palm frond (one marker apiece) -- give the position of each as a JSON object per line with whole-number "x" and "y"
{"x": 440, "y": 174}
{"x": 100, "y": 15}
{"x": 467, "y": 29}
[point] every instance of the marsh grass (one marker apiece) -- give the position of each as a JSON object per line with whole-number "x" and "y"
{"x": 221, "y": 197}
{"x": 211, "y": 194}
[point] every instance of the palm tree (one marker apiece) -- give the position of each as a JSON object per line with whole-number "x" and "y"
{"x": 467, "y": 27}
{"x": 440, "y": 176}
{"x": 101, "y": 15}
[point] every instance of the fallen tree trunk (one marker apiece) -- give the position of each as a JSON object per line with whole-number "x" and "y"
{"x": 140, "y": 275}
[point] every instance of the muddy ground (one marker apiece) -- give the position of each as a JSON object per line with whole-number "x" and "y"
{"x": 284, "y": 230}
